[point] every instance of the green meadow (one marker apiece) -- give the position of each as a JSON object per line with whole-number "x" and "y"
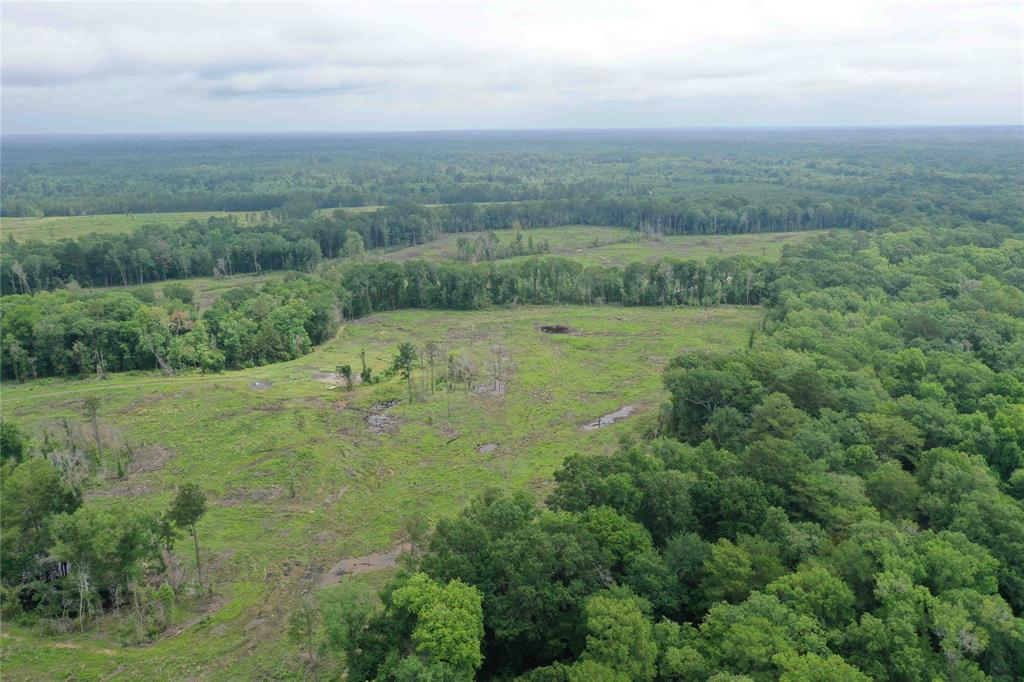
{"x": 52, "y": 228}
{"x": 302, "y": 472}
{"x": 619, "y": 246}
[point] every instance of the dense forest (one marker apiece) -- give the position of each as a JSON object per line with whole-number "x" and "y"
{"x": 886, "y": 175}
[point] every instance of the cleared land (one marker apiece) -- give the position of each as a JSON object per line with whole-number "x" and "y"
{"x": 357, "y": 466}
{"x": 52, "y": 228}
{"x": 59, "y": 227}
{"x": 619, "y": 246}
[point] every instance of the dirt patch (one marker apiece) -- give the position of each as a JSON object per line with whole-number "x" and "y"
{"x": 149, "y": 458}
{"x": 363, "y": 564}
{"x": 77, "y": 646}
{"x": 610, "y": 418}
{"x": 555, "y": 329}
{"x": 382, "y": 423}
{"x": 261, "y": 385}
{"x": 487, "y": 448}
{"x": 336, "y": 379}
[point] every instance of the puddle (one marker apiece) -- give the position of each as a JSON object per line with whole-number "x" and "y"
{"x": 610, "y": 418}
{"x": 487, "y": 448}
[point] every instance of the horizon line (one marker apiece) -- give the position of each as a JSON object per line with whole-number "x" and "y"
{"x": 427, "y": 131}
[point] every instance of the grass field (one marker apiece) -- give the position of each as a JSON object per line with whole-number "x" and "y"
{"x": 619, "y": 246}
{"x": 57, "y": 227}
{"x": 244, "y": 435}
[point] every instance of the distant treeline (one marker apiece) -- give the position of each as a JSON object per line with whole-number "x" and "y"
{"x": 221, "y": 245}
{"x": 69, "y": 333}
{"x": 909, "y": 175}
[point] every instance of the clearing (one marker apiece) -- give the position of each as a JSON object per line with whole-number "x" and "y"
{"x": 618, "y": 245}
{"x": 52, "y": 228}
{"x": 352, "y": 485}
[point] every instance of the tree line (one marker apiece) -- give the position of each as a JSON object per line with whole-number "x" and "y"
{"x": 224, "y": 246}
{"x": 64, "y": 333}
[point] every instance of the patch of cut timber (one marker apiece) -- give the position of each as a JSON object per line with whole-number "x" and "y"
{"x": 610, "y": 418}
{"x": 363, "y": 564}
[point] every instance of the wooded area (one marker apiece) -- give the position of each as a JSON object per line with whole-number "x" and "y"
{"x": 840, "y": 499}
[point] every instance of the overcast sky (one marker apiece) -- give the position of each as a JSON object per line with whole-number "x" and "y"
{"x": 176, "y": 67}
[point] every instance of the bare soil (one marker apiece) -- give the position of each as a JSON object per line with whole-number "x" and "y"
{"x": 610, "y": 418}
{"x": 363, "y": 564}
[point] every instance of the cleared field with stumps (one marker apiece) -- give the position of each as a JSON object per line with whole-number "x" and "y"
{"x": 303, "y": 473}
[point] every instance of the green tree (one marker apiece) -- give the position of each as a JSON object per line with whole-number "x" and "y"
{"x": 304, "y": 628}
{"x": 815, "y": 668}
{"x": 813, "y": 591}
{"x": 404, "y": 363}
{"x": 187, "y": 508}
{"x": 32, "y": 493}
{"x": 178, "y": 291}
{"x": 91, "y": 410}
{"x": 743, "y": 638}
{"x": 449, "y": 621}
{"x": 106, "y": 549}
{"x": 619, "y": 635}
{"x": 893, "y": 491}
{"x": 13, "y": 443}
{"x": 354, "y": 246}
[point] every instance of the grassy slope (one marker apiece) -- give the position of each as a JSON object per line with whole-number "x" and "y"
{"x": 619, "y": 246}
{"x": 353, "y": 484}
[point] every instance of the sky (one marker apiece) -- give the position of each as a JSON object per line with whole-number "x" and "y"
{"x": 84, "y": 67}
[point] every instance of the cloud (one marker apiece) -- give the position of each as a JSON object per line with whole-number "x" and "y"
{"x": 195, "y": 66}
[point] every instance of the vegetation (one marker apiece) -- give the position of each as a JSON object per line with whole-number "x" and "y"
{"x": 767, "y": 180}
{"x": 54, "y": 228}
{"x": 833, "y": 498}
{"x": 609, "y": 246}
{"x": 68, "y": 333}
{"x": 818, "y": 474}
{"x": 356, "y": 485}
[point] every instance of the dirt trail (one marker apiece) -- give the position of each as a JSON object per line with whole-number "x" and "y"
{"x": 363, "y": 564}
